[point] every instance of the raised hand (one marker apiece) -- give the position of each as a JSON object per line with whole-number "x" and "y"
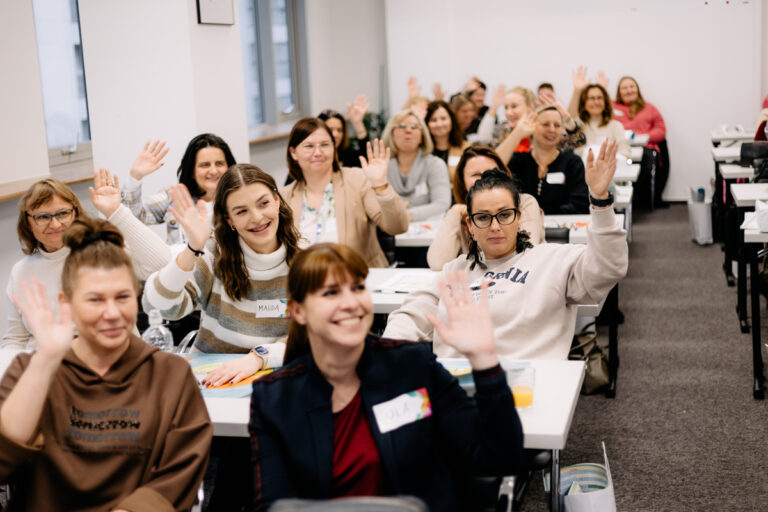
{"x": 414, "y": 89}
{"x": 234, "y": 371}
{"x": 149, "y": 160}
{"x": 375, "y": 167}
{"x": 438, "y": 92}
{"x": 469, "y": 329}
{"x": 420, "y": 109}
{"x": 472, "y": 84}
{"x": 53, "y": 337}
{"x": 498, "y": 97}
{"x": 602, "y": 79}
{"x": 525, "y": 126}
{"x": 356, "y": 111}
{"x": 105, "y": 192}
{"x": 599, "y": 171}
{"x": 580, "y": 80}
{"x": 547, "y": 97}
{"x": 193, "y": 219}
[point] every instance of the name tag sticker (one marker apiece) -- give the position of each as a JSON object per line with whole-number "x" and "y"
{"x": 276, "y": 308}
{"x": 402, "y": 410}
{"x": 421, "y": 189}
{"x": 453, "y": 160}
{"x": 555, "y": 178}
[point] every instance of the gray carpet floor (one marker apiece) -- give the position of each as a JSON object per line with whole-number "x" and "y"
{"x": 684, "y": 432}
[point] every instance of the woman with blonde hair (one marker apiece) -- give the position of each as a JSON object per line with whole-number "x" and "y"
{"x": 95, "y": 418}
{"x": 46, "y": 210}
{"x": 417, "y": 176}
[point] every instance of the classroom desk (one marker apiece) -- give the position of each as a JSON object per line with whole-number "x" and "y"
{"x": 735, "y": 172}
{"x": 639, "y": 139}
{"x": 723, "y": 210}
{"x": 720, "y": 137}
{"x": 753, "y": 241}
{"x": 387, "y": 301}
{"x": 626, "y": 172}
{"x": 636, "y": 154}
{"x": 726, "y": 154}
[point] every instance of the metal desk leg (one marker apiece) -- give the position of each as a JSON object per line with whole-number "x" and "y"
{"x": 612, "y": 303}
{"x": 741, "y": 302}
{"x": 729, "y": 242}
{"x": 554, "y": 482}
{"x": 757, "y": 354}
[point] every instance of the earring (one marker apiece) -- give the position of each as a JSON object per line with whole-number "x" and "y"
{"x": 233, "y": 227}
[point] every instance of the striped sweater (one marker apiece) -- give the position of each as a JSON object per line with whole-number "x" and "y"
{"x": 226, "y": 325}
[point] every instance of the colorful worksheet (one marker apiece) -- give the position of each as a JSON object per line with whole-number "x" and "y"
{"x": 203, "y": 363}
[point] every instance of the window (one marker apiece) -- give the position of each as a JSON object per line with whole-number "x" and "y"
{"x": 269, "y": 37}
{"x": 65, "y": 102}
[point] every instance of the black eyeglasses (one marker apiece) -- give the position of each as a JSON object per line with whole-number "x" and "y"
{"x": 44, "y": 219}
{"x": 504, "y": 217}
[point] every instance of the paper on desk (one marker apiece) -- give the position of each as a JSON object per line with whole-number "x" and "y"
{"x": 750, "y": 221}
{"x": 406, "y": 282}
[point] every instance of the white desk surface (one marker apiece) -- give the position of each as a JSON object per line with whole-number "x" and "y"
{"x": 640, "y": 139}
{"x": 420, "y": 233}
{"x": 733, "y": 171}
{"x": 578, "y": 233}
{"x": 752, "y": 235}
{"x": 636, "y": 153}
{"x": 623, "y": 196}
{"x": 745, "y": 194}
{"x": 626, "y": 172}
{"x": 721, "y": 136}
{"x": 545, "y": 424}
{"x": 726, "y": 154}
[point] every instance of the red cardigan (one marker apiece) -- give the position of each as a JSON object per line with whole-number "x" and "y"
{"x": 648, "y": 121}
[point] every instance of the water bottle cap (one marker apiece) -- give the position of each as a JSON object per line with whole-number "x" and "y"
{"x": 155, "y": 318}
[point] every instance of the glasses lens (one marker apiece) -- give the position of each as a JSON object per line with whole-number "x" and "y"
{"x": 506, "y": 217}
{"x": 482, "y": 220}
{"x": 64, "y": 215}
{"x": 42, "y": 219}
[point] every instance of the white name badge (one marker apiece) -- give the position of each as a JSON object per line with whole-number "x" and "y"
{"x": 402, "y": 410}
{"x": 555, "y": 178}
{"x": 453, "y": 160}
{"x": 276, "y": 308}
{"x": 421, "y": 190}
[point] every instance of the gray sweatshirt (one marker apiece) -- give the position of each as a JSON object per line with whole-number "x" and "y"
{"x": 426, "y": 187}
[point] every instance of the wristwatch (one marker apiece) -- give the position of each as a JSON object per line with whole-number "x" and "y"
{"x": 601, "y": 202}
{"x": 261, "y": 351}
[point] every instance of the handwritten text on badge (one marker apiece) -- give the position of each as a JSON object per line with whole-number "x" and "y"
{"x": 404, "y": 409}
{"x": 271, "y": 308}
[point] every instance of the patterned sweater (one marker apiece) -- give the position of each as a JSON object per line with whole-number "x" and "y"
{"x": 227, "y": 325}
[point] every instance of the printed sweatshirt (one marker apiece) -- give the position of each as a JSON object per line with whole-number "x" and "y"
{"x": 533, "y": 295}
{"x": 135, "y": 439}
{"x": 227, "y": 325}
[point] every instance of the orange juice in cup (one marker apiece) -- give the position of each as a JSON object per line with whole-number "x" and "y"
{"x": 521, "y": 381}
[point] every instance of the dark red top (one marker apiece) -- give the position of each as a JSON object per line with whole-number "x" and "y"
{"x": 357, "y": 469}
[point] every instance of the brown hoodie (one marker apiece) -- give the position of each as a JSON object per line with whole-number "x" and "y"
{"x": 136, "y": 439}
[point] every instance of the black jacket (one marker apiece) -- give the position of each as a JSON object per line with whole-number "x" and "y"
{"x": 291, "y": 427}
{"x": 569, "y": 197}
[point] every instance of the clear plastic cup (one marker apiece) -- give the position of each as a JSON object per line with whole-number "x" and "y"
{"x": 522, "y": 380}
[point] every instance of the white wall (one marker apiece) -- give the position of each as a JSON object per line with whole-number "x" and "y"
{"x": 699, "y": 64}
{"x": 22, "y": 130}
{"x": 153, "y": 73}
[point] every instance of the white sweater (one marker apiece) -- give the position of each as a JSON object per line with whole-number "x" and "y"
{"x": 533, "y": 295}
{"x": 147, "y": 250}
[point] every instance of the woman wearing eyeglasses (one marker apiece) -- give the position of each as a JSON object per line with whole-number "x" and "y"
{"x": 46, "y": 210}
{"x": 418, "y": 177}
{"x": 533, "y": 290}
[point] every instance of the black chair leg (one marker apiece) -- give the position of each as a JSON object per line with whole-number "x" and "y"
{"x": 521, "y": 487}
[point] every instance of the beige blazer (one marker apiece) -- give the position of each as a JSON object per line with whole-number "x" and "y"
{"x": 359, "y": 210}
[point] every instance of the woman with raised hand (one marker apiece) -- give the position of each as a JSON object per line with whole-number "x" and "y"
{"x": 536, "y": 289}
{"x": 239, "y": 286}
{"x": 348, "y": 155}
{"x": 336, "y": 394}
{"x": 206, "y": 158}
{"x": 453, "y": 238}
{"x": 95, "y": 418}
{"x": 592, "y": 104}
{"x": 340, "y": 204}
{"x": 416, "y": 175}
{"x": 446, "y": 135}
{"x": 554, "y": 177}
{"x": 46, "y": 210}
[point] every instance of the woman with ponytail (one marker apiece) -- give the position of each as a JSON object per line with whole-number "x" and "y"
{"x": 318, "y": 425}
{"x": 534, "y": 290}
{"x": 240, "y": 285}
{"x": 97, "y": 419}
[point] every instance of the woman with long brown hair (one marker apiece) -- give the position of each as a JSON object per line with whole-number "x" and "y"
{"x": 240, "y": 285}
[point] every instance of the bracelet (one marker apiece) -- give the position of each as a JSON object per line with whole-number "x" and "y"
{"x": 194, "y": 251}
{"x": 601, "y": 202}
{"x": 381, "y": 188}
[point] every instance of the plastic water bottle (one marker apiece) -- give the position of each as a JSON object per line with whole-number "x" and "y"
{"x": 157, "y": 334}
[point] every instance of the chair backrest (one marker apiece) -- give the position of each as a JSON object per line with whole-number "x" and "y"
{"x": 356, "y": 504}
{"x": 387, "y": 243}
{"x": 663, "y": 154}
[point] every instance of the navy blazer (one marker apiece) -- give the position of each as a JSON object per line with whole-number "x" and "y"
{"x": 291, "y": 427}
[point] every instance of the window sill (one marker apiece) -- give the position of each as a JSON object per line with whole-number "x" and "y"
{"x": 76, "y": 172}
{"x": 268, "y": 132}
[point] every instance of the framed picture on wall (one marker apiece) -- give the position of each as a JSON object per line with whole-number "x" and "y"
{"x": 215, "y": 12}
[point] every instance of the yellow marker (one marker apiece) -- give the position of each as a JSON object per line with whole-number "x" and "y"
{"x": 523, "y": 395}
